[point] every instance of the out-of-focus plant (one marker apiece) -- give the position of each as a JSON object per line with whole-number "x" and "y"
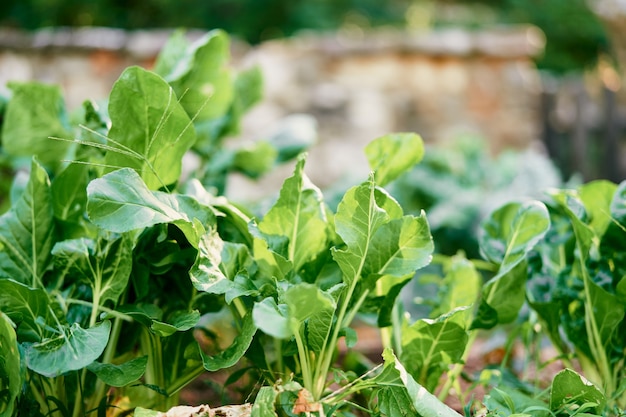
{"x": 460, "y": 182}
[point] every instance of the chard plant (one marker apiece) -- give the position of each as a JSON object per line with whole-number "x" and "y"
{"x": 121, "y": 281}
{"x": 109, "y": 260}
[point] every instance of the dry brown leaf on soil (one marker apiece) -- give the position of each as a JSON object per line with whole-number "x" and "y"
{"x": 243, "y": 410}
{"x": 305, "y": 403}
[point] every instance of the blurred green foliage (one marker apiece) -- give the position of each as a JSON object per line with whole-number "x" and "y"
{"x": 574, "y": 35}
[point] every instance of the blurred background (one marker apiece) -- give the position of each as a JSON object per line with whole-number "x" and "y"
{"x": 510, "y": 96}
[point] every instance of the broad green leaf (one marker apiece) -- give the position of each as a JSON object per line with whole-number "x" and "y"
{"x": 27, "y": 232}
{"x": 10, "y": 374}
{"x": 256, "y": 159}
{"x": 460, "y": 286}
{"x": 299, "y": 216}
{"x": 69, "y": 193}
{"x": 272, "y": 318}
{"x": 570, "y": 388}
{"x": 25, "y": 306}
{"x": 202, "y": 79}
{"x": 399, "y": 247}
{"x": 270, "y": 263}
{"x": 606, "y": 309}
{"x": 618, "y": 204}
{"x": 220, "y": 268}
{"x": 120, "y": 375}
{"x": 426, "y": 404}
{"x": 507, "y": 236}
{"x": 430, "y": 346}
{"x": 205, "y": 273}
{"x": 308, "y": 303}
{"x": 513, "y": 402}
{"x": 306, "y": 300}
{"x": 394, "y": 401}
{"x": 171, "y": 54}
{"x": 105, "y": 265}
{"x": 603, "y": 310}
{"x": 152, "y": 317}
{"x": 180, "y": 321}
{"x": 597, "y": 197}
{"x": 264, "y": 403}
{"x": 501, "y": 298}
{"x": 392, "y": 155}
{"x": 357, "y": 220}
{"x": 318, "y": 328}
{"x": 121, "y": 202}
{"x": 232, "y": 354}
{"x": 74, "y": 349}
{"x": 391, "y": 288}
{"x": 150, "y": 131}
{"x": 511, "y": 231}
{"x": 35, "y": 113}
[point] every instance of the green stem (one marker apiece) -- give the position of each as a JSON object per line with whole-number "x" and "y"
{"x": 386, "y": 334}
{"x": 305, "y": 365}
{"x": 107, "y": 310}
{"x": 456, "y": 370}
{"x": 181, "y": 382}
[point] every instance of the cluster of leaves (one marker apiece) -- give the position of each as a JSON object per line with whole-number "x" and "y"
{"x": 453, "y": 179}
{"x": 93, "y": 288}
{"x": 117, "y": 276}
{"x": 558, "y": 270}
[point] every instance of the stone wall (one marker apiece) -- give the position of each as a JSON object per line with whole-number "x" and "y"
{"x": 440, "y": 84}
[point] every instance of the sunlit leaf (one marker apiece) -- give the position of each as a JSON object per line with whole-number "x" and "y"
{"x": 392, "y": 155}
{"x": 150, "y": 130}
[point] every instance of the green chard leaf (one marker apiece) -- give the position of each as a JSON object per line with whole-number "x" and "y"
{"x": 299, "y": 216}
{"x": 597, "y": 197}
{"x": 264, "y": 403}
{"x": 35, "y": 113}
{"x": 221, "y": 267}
{"x": 121, "y": 202}
{"x": 10, "y": 374}
{"x": 201, "y": 77}
{"x": 306, "y": 303}
{"x": 27, "y": 232}
{"x": 430, "y": 346}
{"x": 151, "y": 316}
{"x": 120, "y": 375}
{"x": 358, "y": 218}
{"x": 508, "y": 235}
{"x": 105, "y": 265}
{"x": 232, "y": 354}
{"x": 150, "y": 131}
{"x": 272, "y": 318}
{"x": 392, "y": 155}
{"x": 26, "y": 306}
{"x": 399, "y": 247}
{"x": 568, "y": 389}
{"x": 380, "y": 241}
{"x": 403, "y": 394}
{"x": 74, "y": 349}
